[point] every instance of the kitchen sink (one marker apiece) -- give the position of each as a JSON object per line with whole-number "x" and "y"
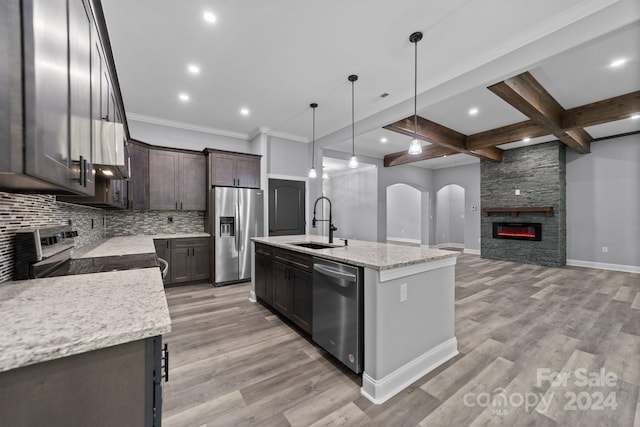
{"x": 312, "y": 245}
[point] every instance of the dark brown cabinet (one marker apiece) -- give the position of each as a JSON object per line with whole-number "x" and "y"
{"x": 288, "y": 275}
{"x": 189, "y": 260}
{"x": 177, "y": 180}
{"x": 138, "y": 192}
{"x": 234, "y": 170}
{"x": 50, "y": 87}
{"x": 163, "y": 250}
{"x": 263, "y": 273}
{"x": 109, "y": 194}
{"x": 114, "y": 386}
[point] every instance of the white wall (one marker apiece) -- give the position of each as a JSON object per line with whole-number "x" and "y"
{"x": 288, "y": 157}
{"x": 404, "y": 216}
{"x": 603, "y": 203}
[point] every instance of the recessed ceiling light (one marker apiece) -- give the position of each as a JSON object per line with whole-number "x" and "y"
{"x": 618, "y": 62}
{"x": 444, "y": 156}
{"x": 183, "y": 97}
{"x": 635, "y": 117}
{"x": 193, "y": 69}
{"x": 473, "y": 111}
{"x": 209, "y": 17}
{"x": 383, "y": 140}
{"x": 244, "y": 111}
{"x": 527, "y": 139}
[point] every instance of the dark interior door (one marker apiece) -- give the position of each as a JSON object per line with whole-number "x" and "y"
{"x": 286, "y": 207}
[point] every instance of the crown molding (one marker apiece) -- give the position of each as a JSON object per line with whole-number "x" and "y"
{"x": 186, "y": 126}
{"x": 275, "y": 133}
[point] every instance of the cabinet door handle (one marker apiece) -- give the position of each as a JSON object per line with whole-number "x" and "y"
{"x": 81, "y": 164}
{"x": 167, "y": 244}
{"x": 180, "y": 205}
{"x": 176, "y": 205}
{"x": 165, "y": 358}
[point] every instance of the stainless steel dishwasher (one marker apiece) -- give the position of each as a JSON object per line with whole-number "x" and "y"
{"x": 338, "y": 311}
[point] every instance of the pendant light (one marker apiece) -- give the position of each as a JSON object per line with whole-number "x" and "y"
{"x": 415, "y": 147}
{"x": 353, "y": 161}
{"x": 312, "y": 171}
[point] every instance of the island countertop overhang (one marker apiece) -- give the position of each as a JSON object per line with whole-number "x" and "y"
{"x": 373, "y": 255}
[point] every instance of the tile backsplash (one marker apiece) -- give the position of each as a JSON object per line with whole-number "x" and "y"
{"x": 127, "y": 223}
{"x": 36, "y": 210}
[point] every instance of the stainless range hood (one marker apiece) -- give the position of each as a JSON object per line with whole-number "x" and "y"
{"x": 110, "y": 151}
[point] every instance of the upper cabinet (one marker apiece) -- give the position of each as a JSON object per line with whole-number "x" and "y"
{"x": 53, "y": 65}
{"x": 177, "y": 180}
{"x": 234, "y": 170}
{"x": 139, "y": 179}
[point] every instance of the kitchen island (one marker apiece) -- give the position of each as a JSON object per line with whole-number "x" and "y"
{"x": 409, "y": 322}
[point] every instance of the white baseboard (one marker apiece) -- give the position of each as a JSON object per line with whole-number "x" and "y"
{"x": 379, "y": 391}
{"x": 403, "y": 240}
{"x": 472, "y": 251}
{"x": 450, "y": 245}
{"x": 604, "y": 266}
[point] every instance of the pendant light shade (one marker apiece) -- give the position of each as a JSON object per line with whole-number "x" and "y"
{"x": 353, "y": 161}
{"x": 312, "y": 171}
{"x": 416, "y": 146}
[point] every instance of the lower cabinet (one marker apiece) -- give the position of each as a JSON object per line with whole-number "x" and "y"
{"x": 188, "y": 259}
{"x": 113, "y": 386}
{"x": 163, "y": 250}
{"x": 285, "y": 282}
{"x": 264, "y": 274}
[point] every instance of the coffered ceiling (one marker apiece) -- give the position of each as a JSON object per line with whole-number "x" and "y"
{"x": 276, "y": 57}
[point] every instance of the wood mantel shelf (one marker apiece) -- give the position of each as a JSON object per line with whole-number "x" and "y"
{"x": 515, "y": 210}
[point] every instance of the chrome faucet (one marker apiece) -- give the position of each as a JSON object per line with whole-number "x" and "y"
{"x": 332, "y": 228}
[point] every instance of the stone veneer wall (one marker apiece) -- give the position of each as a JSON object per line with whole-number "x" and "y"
{"x": 539, "y": 172}
{"x": 30, "y": 210}
{"x": 127, "y": 223}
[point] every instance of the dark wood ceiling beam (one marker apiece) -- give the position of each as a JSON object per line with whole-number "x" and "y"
{"x": 525, "y": 94}
{"x": 442, "y": 136}
{"x": 428, "y": 152}
{"x": 505, "y": 135}
{"x": 607, "y": 110}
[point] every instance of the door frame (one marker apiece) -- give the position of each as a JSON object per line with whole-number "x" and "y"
{"x": 306, "y": 198}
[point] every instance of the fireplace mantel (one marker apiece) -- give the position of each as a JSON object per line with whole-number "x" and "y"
{"x": 515, "y": 210}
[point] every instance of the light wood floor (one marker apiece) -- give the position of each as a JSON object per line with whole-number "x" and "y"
{"x": 234, "y": 363}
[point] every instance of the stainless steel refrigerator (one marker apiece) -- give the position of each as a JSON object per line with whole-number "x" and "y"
{"x": 238, "y": 216}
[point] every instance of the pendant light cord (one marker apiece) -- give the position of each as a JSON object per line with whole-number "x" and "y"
{"x": 313, "y": 139}
{"x": 353, "y": 118}
{"x": 415, "y": 92}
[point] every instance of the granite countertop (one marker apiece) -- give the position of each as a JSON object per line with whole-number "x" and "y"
{"x": 45, "y": 319}
{"x": 128, "y": 245}
{"x": 374, "y": 255}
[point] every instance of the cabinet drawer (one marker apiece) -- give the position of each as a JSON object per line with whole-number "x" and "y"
{"x": 189, "y": 242}
{"x": 294, "y": 259}
{"x": 264, "y": 249}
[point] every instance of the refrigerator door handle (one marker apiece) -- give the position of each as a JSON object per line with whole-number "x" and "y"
{"x": 237, "y": 230}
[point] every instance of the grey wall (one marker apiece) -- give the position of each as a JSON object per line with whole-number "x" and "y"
{"x": 404, "y": 216}
{"x": 539, "y": 172}
{"x": 30, "y": 210}
{"x": 168, "y": 136}
{"x": 354, "y": 197}
{"x": 603, "y": 202}
{"x": 467, "y": 177}
{"x": 449, "y": 220}
{"x": 289, "y": 157}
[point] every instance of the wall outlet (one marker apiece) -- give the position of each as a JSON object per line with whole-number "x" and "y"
{"x": 403, "y": 292}
{"x": 605, "y": 249}
{"x": 517, "y": 192}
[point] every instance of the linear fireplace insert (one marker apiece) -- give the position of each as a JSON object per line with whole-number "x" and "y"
{"x": 517, "y": 230}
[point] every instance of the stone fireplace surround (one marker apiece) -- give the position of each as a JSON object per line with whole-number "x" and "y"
{"x": 539, "y": 173}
